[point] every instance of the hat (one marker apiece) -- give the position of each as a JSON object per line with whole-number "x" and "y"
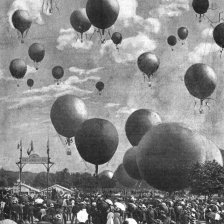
{"x": 51, "y": 205}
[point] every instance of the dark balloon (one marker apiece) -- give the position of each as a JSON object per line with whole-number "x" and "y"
{"x": 80, "y": 21}
{"x": 116, "y": 38}
{"x": 182, "y": 33}
{"x": 148, "y": 63}
{"x": 167, "y": 152}
{"x": 97, "y": 141}
{"x": 200, "y": 6}
{"x": 36, "y": 52}
{"x": 200, "y": 80}
{"x": 106, "y": 173}
{"x": 57, "y": 72}
{"x": 30, "y": 82}
{"x": 130, "y": 164}
{"x": 172, "y": 40}
{"x": 123, "y": 178}
{"x": 218, "y": 34}
{"x": 18, "y": 68}
{"x": 100, "y": 86}
{"x": 21, "y": 21}
{"x": 102, "y": 13}
{"x": 222, "y": 152}
{"x": 67, "y": 114}
{"x": 138, "y": 123}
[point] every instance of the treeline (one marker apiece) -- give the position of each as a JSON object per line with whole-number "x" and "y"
{"x": 63, "y": 178}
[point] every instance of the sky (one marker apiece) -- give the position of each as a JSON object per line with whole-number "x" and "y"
{"x": 145, "y": 26}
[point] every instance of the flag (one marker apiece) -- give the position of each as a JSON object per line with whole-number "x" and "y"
{"x": 19, "y": 145}
{"x": 48, "y": 147}
{"x": 29, "y": 150}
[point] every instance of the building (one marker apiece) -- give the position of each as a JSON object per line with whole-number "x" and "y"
{"x": 60, "y": 189}
{"x": 25, "y": 189}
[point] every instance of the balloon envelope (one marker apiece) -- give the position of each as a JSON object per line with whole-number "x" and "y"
{"x": 102, "y": 13}
{"x": 182, "y": 33}
{"x": 100, "y": 86}
{"x": 57, "y": 72}
{"x": 116, "y": 38}
{"x": 80, "y": 21}
{"x": 67, "y": 114}
{"x": 21, "y": 20}
{"x": 130, "y": 164}
{"x": 138, "y": 123}
{"x": 167, "y": 152}
{"x": 97, "y": 141}
{"x": 172, "y": 40}
{"x": 30, "y": 82}
{"x": 148, "y": 63}
{"x": 18, "y": 68}
{"x": 200, "y": 6}
{"x": 218, "y": 34}
{"x": 200, "y": 80}
{"x": 107, "y": 173}
{"x": 36, "y": 52}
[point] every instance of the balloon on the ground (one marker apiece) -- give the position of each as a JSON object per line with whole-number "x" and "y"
{"x": 123, "y": 178}
{"x": 36, "y": 52}
{"x": 218, "y": 35}
{"x": 97, "y": 141}
{"x": 182, "y": 33}
{"x": 102, "y": 13}
{"x": 200, "y": 80}
{"x": 67, "y": 114}
{"x": 18, "y": 68}
{"x": 138, "y": 123}
{"x": 168, "y": 151}
{"x": 130, "y": 164}
{"x": 106, "y": 173}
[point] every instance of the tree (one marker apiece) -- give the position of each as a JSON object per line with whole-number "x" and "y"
{"x": 41, "y": 180}
{"x": 206, "y": 179}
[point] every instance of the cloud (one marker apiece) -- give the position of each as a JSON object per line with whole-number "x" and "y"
{"x": 207, "y": 33}
{"x": 111, "y": 105}
{"x": 130, "y": 48}
{"x": 125, "y": 110}
{"x": 75, "y": 80}
{"x": 30, "y": 70}
{"x": 127, "y": 9}
{"x": 80, "y": 71}
{"x": 34, "y": 7}
{"x": 202, "y": 50}
{"x": 68, "y": 39}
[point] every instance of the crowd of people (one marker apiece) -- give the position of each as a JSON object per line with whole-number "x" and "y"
{"x": 95, "y": 208}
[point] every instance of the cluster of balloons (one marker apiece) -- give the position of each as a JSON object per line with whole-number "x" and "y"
{"x": 162, "y": 153}
{"x": 182, "y": 33}
{"x": 102, "y": 14}
{"x": 96, "y": 139}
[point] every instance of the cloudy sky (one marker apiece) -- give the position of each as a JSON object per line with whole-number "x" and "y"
{"x": 145, "y": 26}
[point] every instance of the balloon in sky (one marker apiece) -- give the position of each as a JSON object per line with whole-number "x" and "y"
{"x": 167, "y": 152}
{"x": 36, "y": 52}
{"x": 130, "y": 164}
{"x": 57, "y": 72}
{"x": 100, "y": 87}
{"x": 116, "y": 38}
{"x": 30, "y": 83}
{"x": 97, "y": 141}
{"x": 107, "y": 173}
{"x": 18, "y": 68}
{"x": 218, "y": 35}
{"x": 182, "y": 33}
{"x": 148, "y": 63}
{"x": 67, "y": 114}
{"x": 102, "y": 13}
{"x": 80, "y": 21}
{"x": 123, "y": 178}
{"x": 22, "y": 22}
{"x": 200, "y": 7}
{"x": 138, "y": 123}
{"x": 172, "y": 40}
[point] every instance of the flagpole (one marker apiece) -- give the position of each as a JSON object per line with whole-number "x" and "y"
{"x": 48, "y": 165}
{"x": 20, "y": 167}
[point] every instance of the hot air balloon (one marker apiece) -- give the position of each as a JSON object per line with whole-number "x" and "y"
{"x": 167, "y": 152}
{"x": 148, "y": 63}
{"x": 182, "y": 33}
{"x": 36, "y": 52}
{"x": 97, "y": 141}
{"x": 30, "y": 82}
{"x": 123, "y": 178}
{"x": 116, "y": 38}
{"x": 67, "y": 114}
{"x": 18, "y": 68}
{"x": 138, "y": 123}
{"x": 201, "y": 81}
{"x": 22, "y": 22}
{"x": 172, "y": 40}
{"x": 100, "y": 86}
{"x": 107, "y": 173}
{"x": 57, "y": 73}
{"x": 80, "y": 21}
{"x": 130, "y": 164}
{"x": 102, "y": 13}
{"x": 218, "y": 35}
{"x": 200, "y": 7}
